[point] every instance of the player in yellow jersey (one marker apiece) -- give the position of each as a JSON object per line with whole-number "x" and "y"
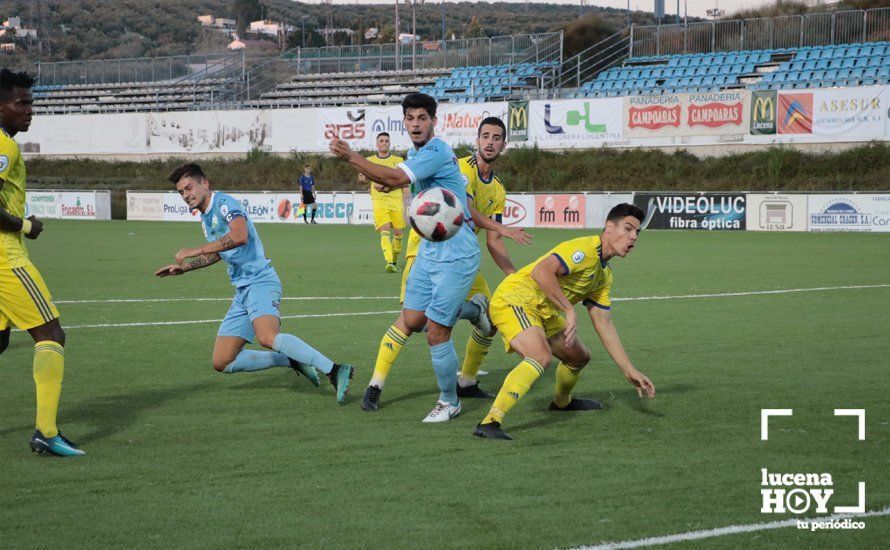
{"x": 526, "y": 309}
{"x": 24, "y": 299}
{"x": 488, "y": 197}
{"x": 389, "y": 207}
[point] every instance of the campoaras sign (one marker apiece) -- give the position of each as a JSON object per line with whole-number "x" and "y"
{"x": 687, "y": 114}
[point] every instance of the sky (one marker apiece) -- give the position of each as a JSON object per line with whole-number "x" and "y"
{"x": 696, "y": 8}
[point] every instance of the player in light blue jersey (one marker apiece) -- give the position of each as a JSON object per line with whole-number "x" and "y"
{"x": 444, "y": 271}
{"x": 232, "y": 237}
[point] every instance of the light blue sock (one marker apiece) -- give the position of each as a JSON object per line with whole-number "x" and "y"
{"x": 445, "y": 364}
{"x": 301, "y": 352}
{"x": 469, "y": 311}
{"x": 250, "y": 360}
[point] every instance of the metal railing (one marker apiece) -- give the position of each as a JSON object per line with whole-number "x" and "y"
{"x": 140, "y": 69}
{"x": 447, "y": 54}
{"x": 588, "y": 63}
{"x": 790, "y": 31}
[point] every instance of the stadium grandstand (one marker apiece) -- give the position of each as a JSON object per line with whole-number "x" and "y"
{"x": 837, "y": 49}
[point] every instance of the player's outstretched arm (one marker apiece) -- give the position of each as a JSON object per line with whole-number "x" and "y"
{"x": 608, "y": 334}
{"x": 517, "y": 234}
{"x": 498, "y": 251}
{"x": 546, "y": 274}
{"x": 237, "y": 236}
{"x": 198, "y": 262}
{"x": 385, "y": 176}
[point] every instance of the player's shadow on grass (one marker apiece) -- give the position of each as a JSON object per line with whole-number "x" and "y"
{"x": 550, "y": 417}
{"x": 111, "y": 414}
{"x": 628, "y": 397}
{"x": 384, "y": 402}
{"x": 284, "y": 380}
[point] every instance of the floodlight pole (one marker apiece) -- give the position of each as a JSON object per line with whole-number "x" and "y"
{"x": 413, "y": 35}
{"x": 398, "y": 44}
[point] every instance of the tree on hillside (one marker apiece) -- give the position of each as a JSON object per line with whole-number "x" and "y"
{"x": 779, "y": 8}
{"x": 245, "y": 11}
{"x": 585, "y": 32}
{"x": 474, "y": 29}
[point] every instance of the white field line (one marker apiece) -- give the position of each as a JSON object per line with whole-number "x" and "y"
{"x": 204, "y": 321}
{"x": 723, "y": 531}
{"x": 748, "y": 293}
{"x": 390, "y": 312}
{"x": 227, "y": 299}
{"x": 625, "y": 299}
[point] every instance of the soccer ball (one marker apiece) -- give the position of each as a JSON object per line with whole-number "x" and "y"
{"x": 436, "y": 214}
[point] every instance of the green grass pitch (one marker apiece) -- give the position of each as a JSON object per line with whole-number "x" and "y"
{"x": 181, "y": 456}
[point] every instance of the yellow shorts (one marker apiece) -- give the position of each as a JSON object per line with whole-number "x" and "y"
{"x": 24, "y": 299}
{"x": 386, "y": 215}
{"x": 511, "y": 319}
{"x": 480, "y": 285}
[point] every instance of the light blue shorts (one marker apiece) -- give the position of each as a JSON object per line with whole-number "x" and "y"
{"x": 440, "y": 288}
{"x": 251, "y": 302}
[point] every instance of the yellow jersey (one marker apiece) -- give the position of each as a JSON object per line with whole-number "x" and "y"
{"x": 395, "y": 199}
{"x": 586, "y": 277}
{"x": 13, "y": 253}
{"x": 489, "y": 197}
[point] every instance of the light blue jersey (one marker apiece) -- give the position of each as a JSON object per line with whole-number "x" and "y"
{"x": 247, "y": 264}
{"x": 434, "y": 165}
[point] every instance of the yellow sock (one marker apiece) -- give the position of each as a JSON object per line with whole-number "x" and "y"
{"x": 386, "y": 245}
{"x": 390, "y": 346}
{"x": 396, "y": 247}
{"x": 517, "y": 384}
{"x": 477, "y": 348}
{"x": 49, "y": 364}
{"x": 566, "y": 378}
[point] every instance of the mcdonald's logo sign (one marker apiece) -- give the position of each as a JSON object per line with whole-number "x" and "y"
{"x": 518, "y": 121}
{"x": 764, "y": 106}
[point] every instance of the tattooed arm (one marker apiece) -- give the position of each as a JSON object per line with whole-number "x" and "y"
{"x": 197, "y": 262}
{"x": 237, "y": 236}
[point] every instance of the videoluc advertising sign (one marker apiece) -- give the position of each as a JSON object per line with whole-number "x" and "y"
{"x": 706, "y": 211}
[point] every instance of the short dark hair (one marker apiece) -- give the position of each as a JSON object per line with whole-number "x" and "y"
{"x": 306, "y": 166}
{"x": 10, "y": 80}
{"x": 419, "y": 101}
{"x": 190, "y": 170}
{"x": 492, "y": 121}
{"x": 623, "y": 210}
{"x": 382, "y": 134}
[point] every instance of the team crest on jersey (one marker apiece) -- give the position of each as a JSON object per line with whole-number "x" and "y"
{"x": 224, "y": 209}
{"x": 578, "y": 257}
{"x": 466, "y": 179}
{"x": 4, "y": 163}
{"x": 204, "y": 229}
